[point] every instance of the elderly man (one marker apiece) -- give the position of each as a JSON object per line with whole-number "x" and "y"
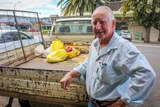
{"x": 116, "y": 73}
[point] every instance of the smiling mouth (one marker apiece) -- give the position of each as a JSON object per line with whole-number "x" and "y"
{"x": 99, "y": 33}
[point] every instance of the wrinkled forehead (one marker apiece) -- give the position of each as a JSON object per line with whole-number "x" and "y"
{"x": 100, "y": 14}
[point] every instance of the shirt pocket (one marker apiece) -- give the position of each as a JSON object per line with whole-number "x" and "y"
{"x": 107, "y": 74}
{"x": 104, "y": 73}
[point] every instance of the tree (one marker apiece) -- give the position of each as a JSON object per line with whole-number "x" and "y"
{"x": 157, "y": 26}
{"x": 145, "y": 13}
{"x": 73, "y": 6}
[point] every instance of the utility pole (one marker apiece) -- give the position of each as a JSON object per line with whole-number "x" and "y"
{"x": 16, "y": 4}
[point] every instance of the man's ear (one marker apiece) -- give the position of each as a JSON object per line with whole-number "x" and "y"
{"x": 114, "y": 22}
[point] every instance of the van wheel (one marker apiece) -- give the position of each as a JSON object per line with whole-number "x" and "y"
{"x": 24, "y": 103}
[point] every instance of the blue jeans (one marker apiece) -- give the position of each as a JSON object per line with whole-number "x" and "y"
{"x": 91, "y": 104}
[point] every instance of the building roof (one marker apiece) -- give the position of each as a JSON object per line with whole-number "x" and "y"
{"x": 120, "y": 14}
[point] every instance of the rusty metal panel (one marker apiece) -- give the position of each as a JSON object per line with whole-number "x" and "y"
{"x": 38, "y": 83}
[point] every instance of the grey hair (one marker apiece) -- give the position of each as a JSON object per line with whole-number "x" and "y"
{"x": 111, "y": 17}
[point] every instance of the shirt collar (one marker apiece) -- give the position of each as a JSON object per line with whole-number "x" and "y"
{"x": 113, "y": 44}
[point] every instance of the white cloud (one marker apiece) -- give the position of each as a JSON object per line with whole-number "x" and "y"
{"x": 45, "y": 8}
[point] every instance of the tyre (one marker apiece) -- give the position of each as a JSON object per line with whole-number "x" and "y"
{"x": 24, "y": 103}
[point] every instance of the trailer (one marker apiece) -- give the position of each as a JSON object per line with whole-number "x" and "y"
{"x": 24, "y": 75}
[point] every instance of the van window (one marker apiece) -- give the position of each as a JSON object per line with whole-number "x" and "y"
{"x": 77, "y": 26}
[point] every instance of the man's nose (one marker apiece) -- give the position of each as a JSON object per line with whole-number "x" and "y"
{"x": 98, "y": 25}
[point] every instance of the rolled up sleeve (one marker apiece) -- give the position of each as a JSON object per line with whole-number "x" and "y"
{"x": 82, "y": 69}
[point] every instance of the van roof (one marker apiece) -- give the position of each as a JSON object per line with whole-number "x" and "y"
{"x": 72, "y": 19}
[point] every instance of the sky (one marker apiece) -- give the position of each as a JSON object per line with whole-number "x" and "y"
{"x": 45, "y": 8}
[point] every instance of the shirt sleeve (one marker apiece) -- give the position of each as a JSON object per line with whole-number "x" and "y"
{"x": 82, "y": 69}
{"x": 139, "y": 76}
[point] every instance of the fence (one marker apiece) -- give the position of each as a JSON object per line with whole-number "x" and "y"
{"x": 20, "y": 33}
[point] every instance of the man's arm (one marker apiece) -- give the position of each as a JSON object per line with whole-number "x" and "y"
{"x": 139, "y": 79}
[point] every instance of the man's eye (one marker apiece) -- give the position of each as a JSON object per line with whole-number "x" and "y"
{"x": 102, "y": 22}
{"x": 94, "y": 23}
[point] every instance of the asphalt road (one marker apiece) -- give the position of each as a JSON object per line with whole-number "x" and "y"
{"x": 152, "y": 53}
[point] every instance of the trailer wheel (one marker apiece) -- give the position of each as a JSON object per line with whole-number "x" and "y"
{"x": 24, "y": 103}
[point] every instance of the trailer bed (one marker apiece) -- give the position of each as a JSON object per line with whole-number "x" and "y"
{"x": 41, "y": 63}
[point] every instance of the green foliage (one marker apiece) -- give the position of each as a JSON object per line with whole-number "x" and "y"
{"x": 145, "y": 12}
{"x": 73, "y": 6}
{"x": 157, "y": 25}
{"x": 45, "y": 31}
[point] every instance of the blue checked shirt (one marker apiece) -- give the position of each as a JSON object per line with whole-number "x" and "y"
{"x": 119, "y": 70}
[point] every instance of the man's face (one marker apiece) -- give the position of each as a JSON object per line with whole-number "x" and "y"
{"x": 103, "y": 27}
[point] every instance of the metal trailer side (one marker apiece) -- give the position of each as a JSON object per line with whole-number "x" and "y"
{"x": 38, "y": 80}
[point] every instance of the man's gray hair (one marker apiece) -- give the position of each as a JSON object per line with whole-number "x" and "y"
{"x": 111, "y": 17}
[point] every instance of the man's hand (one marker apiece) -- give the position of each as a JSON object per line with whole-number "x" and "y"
{"x": 65, "y": 81}
{"x": 118, "y": 103}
